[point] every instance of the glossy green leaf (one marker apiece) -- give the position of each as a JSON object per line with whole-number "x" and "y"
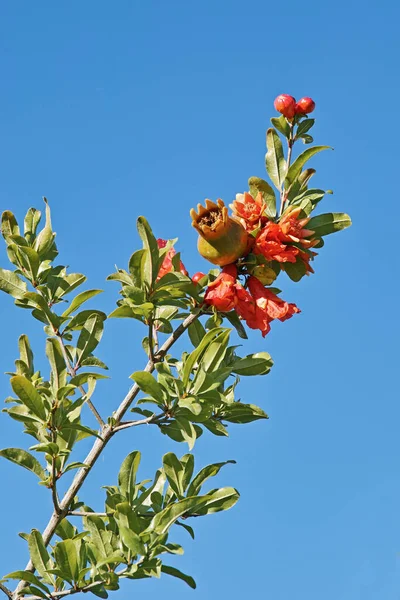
{"x": 26, "y": 353}
{"x": 132, "y": 541}
{"x": 39, "y": 555}
{"x": 127, "y": 475}
{"x": 205, "y": 473}
{"x": 67, "y": 559}
{"x": 281, "y": 124}
{"x": 28, "y": 577}
{"x": 12, "y": 284}
{"x": 78, "y": 321}
{"x": 296, "y": 167}
{"x": 136, "y": 267}
{"x": 90, "y": 336}
{"x": 179, "y": 575}
{"x": 259, "y": 363}
{"x": 57, "y": 362}
{"x": 328, "y": 223}
{"x": 24, "y": 459}
{"x": 237, "y": 323}
{"x": 79, "y": 300}
{"x": 150, "y": 268}
{"x": 275, "y": 160}
{"x": 174, "y": 472}
{"x": 9, "y": 225}
{"x": 242, "y": 413}
{"x": 31, "y": 222}
{"x": 304, "y": 126}
{"x": 149, "y": 385}
{"x": 45, "y": 238}
{"x": 296, "y": 270}
{"x": 29, "y": 396}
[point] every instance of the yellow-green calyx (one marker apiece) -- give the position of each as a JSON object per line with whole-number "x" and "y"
{"x": 221, "y": 239}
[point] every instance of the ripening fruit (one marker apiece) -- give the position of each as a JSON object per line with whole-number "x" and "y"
{"x": 264, "y": 274}
{"x": 221, "y": 239}
{"x": 286, "y": 105}
{"x": 305, "y": 106}
{"x": 197, "y": 276}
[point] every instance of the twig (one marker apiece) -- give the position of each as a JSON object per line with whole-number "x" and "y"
{"x": 84, "y": 513}
{"x": 72, "y": 373}
{"x": 54, "y": 494}
{"x": 152, "y": 419}
{"x": 106, "y": 434}
{"x": 5, "y": 589}
{"x": 291, "y": 141}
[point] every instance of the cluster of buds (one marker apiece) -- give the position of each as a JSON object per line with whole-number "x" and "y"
{"x": 288, "y": 107}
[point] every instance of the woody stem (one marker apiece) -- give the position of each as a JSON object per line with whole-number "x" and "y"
{"x": 291, "y": 141}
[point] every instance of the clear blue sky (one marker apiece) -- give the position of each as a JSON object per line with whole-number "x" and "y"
{"x": 115, "y": 109}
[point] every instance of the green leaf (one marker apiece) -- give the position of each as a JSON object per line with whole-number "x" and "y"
{"x": 29, "y": 396}
{"x": 32, "y": 261}
{"x": 196, "y": 332}
{"x": 79, "y": 320}
{"x": 174, "y": 473}
{"x": 93, "y": 361}
{"x": 82, "y": 378}
{"x": 179, "y": 575}
{"x": 296, "y": 270}
{"x": 45, "y": 239}
{"x": 39, "y": 555}
{"x": 253, "y": 364}
{"x": 29, "y": 578}
{"x": 12, "y": 284}
{"x": 149, "y": 385}
{"x": 328, "y": 223}
{"x": 150, "y": 269}
{"x": 242, "y": 413}
{"x": 37, "y": 301}
{"x": 127, "y": 475}
{"x": 257, "y": 185}
{"x": 24, "y": 459}
{"x": 237, "y": 323}
{"x": 187, "y": 528}
{"x": 187, "y": 430}
{"x": 205, "y": 473}
{"x": 31, "y": 222}
{"x": 132, "y": 541}
{"x": 67, "y": 559}
{"x": 304, "y": 126}
{"x": 136, "y": 267}
{"x": 79, "y": 300}
{"x": 57, "y": 363}
{"x": 90, "y": 336}
{"x": 195, "y": 356}
{"x": 281, "y": 125}
{"x": 275, "y": 160}
{"x": 216, "y": 427}
{"x": 26, "y": 353}
{"x": 9, "y": 225}
{"x": 218, "y": 500}
{"x": 296, "y": 167}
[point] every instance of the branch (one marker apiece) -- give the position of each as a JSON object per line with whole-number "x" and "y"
{"x": 107, "y": 432}
{"x": 5, "y": 589}
{"x": 72, "y": 373}
{"x": 84, "y": 513}
{"x": 152, "y": 419}
{"x": 86, "y": 588}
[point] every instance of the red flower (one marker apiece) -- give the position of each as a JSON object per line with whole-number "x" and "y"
{"x": 286, "y": 105}
{"x": 197, "y": 276}
{"x": 221, "y": 292}
{"x": 269, "y": 243}
{"x": 305, "y": 106}
{"x": 248, "y": 210}
{"x": 167, "y": 265}
{"x": 292, "y": 228}
{"x": 269, "y": 303}
{"x": 246, "y": 307}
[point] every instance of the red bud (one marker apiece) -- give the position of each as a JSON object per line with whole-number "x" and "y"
{"x": 305, "y": 106}
{"x": 286, "y": 105}
{"x": 197, "y": 276}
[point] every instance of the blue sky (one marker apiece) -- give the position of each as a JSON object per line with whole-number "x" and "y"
{"x": 112, "y": 110}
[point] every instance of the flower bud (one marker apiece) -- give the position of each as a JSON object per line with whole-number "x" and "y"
{"x": 286, "y": 105}
{"x": 221, "y": 239}
{"x": 197, "y": 276}
{"x": 304, "y": 106}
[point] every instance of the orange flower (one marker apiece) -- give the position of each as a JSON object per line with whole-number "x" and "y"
{"x": 221, "y": 292}
{"x": 269, "y": 244}
{"x": 247, "y": 309}
{"x": 167, "y": 265}
{"x": 270, "y": 303}
{"x": 261, "y": 306}
{"x": 248, "y": 210}
{"x": 292, "y": 228}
